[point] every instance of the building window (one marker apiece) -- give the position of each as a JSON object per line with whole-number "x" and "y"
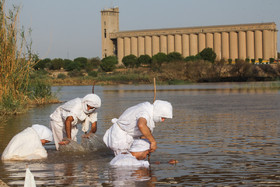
{"x": 105, "y": 34}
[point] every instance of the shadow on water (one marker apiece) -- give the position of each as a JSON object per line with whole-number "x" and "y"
{"x": 222, "y": 134}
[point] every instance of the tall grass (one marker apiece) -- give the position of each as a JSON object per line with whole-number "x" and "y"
{"x": 15, "y": 63}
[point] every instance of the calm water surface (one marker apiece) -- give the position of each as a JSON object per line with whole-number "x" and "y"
{"x": 222, "y": 134}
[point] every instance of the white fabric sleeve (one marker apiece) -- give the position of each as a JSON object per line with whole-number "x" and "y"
{"x": 65, "y": 114}
{"x": 143, "y": 115}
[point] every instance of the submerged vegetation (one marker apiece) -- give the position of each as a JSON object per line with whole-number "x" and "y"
{"x": 18, "y": 88}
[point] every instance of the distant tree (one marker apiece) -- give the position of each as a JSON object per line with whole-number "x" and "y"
{"x": 109, "y": 63}
{"x": 66, "y": 63}
{"x": 71, "y": 65}
{"x": 271, "y": 60}
{"x": 130, "y": 61}
{"x": 93, "y": 63}
{"x": 230, "y": 61}
{"x": 174, "y": 56}
{"x": 41, "y": 64}
{"x": 192, "y": 58}
{"x": 208, "y": 54}
{"x": 260, "y": 60}
{"x": 56, "y": 64}
{"x": 82, "y": 62}
{"x": 144, "y": 59}
{"x": 157, "y": 61}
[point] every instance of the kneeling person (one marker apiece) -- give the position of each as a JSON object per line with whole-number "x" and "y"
{"x": 136, "y": 155}
{"x": 28, "y": 144}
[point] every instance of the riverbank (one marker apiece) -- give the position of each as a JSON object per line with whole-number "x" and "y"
{"x": 176, "y": 73}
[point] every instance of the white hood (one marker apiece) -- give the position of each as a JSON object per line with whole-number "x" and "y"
{"x": 162, "y": 109}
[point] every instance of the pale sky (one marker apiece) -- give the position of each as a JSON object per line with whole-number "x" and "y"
{"x": 72, "y": 28}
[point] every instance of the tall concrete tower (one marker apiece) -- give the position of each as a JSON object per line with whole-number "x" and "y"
{"x": 109, "y": 24}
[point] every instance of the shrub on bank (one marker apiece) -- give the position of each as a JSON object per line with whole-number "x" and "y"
{"x": 109, "y": 63}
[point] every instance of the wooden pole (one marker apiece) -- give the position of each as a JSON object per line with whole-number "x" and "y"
{"x": 93, "y": 87}
{"x": 155, "y": 89}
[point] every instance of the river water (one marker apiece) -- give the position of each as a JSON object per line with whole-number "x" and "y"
{"x": 222, "y": 134}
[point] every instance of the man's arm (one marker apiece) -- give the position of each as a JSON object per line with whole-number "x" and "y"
{"x": 142, "y": 125}
{"x": 92, "y": 130}
{"x": 68, "y": 128}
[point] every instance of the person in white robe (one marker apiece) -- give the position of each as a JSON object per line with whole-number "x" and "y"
{"x": 65, "y": 118}
{"x": 136, "y": 122}
{"x": 28, "y": 144}
{"x": 136, "y": 155}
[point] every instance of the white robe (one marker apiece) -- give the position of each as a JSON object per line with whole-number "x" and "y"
{"x": 128, "y": 160}
{"x": 120, "y": 135}
{"x": 26, "y": 145}
{"x": 72, "y": 108}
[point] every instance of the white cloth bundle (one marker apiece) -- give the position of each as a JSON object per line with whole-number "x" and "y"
{"x": 29, "y": 179}
{"x": 128, "y": 160}
{"x": 26, "y": 145}
{"x": 139, "y": 145}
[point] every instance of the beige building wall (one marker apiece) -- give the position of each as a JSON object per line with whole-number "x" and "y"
{"x": 141, "y": 46}
{"x": 267, "y": 46}
{"x": 258, "y": 45}
{"x": 155, "y": 45}
{"x": 178, "y": 43}
{"x": 201, "y": 42}
{"x": 170, "y": 43}
{"x": 250, "y": 47}
{"x": 242, "y": 41}
{"x": 209, "y": 40}
{"x": 109, "y": 24}
{"x": 233, "y": 47}
{"x": 148, "y": 45}
{"x": 186, "y": 45}
{"x": 120, "y": 50}
{"x": 163, "y": 44}
{"x": 225, "y": 45}
{"x": 193, "y": 44}
{"x": 241, "y": 45}
{"x": 134, "y": 46}
{"x": 218, "y": 45}
{"x": 127, "y": 46}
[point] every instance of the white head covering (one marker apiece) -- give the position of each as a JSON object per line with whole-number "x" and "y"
{"x": 43, "y": 132}
{"x": 139, "y": 145}
{"x": 92, "y": 100}
{"x": 162, "y": 109}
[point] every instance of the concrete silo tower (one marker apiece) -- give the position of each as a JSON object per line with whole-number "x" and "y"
{"x": 109, "y": 24}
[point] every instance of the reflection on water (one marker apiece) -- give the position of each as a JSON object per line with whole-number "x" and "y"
{"x": 224, "y": 134}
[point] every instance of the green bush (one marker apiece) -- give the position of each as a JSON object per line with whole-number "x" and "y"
{"x": 260, "y": 60}
{"x": 208, "y": 54}
{"x": 61, "y": 76}
{"x": 271, "y": 60}
{"x": 75, "y": 73}
{"x": 174, "y": 56}
{"x": 130, "y": 61}
{"x": 70, "y": 66}
{"x": 144, "y": 59}
{"x": 109, "y": 63}
{"x": 56, "y": 64}
{"x": 192, "y": 58}
{"x": 41, "y": 64}
{"x": 92, "y": 63}
{"x": 81, "y": 61}
{"x": 93, "y": 74}
{"x": 157, "y": 61}
{"x": 40, "y": 89}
